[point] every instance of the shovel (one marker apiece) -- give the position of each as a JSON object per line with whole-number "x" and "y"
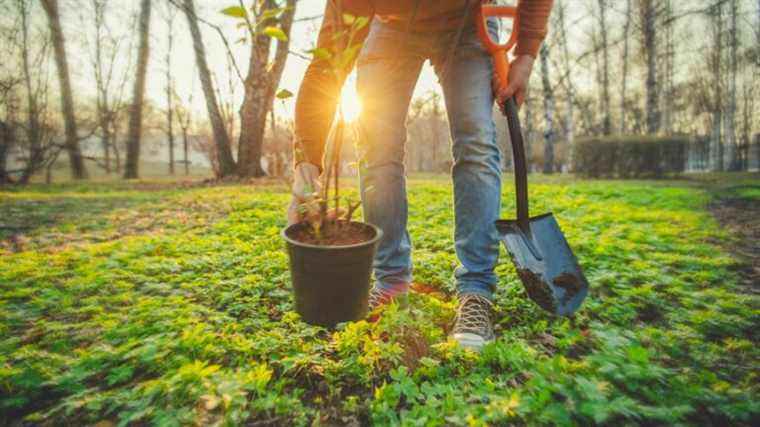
{"x": 544, "y": 261}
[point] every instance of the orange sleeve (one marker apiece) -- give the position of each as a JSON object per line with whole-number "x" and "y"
{"x": 533, "y": 18}
{"x": 319, "y": 93}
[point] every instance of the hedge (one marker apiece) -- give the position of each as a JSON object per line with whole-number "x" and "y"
{"x": 630, "y": 156}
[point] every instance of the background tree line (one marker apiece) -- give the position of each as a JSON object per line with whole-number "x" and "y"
{"x": 635, "y": 67}
{"x": 630, "y": 67}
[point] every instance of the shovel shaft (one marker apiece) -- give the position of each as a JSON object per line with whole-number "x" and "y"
{"x": 518, "y": 157}
{"x": 501, "y": 68}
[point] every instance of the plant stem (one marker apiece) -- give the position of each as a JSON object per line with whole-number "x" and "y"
{"x": 336, "y": 156}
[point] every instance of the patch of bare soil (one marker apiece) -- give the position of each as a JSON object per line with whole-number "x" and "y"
{"x": 741, "y": 217}
{"x": 110, "y": 223}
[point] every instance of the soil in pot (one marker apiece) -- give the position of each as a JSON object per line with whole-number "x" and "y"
{"x": 331, "y": 274}
{"x": 338, "y": 233}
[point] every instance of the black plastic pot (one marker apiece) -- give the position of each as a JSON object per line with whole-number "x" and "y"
{"x": 331, "y": 283}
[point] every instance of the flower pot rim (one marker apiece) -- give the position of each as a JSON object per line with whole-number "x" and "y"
{"x": 372, "y": 241}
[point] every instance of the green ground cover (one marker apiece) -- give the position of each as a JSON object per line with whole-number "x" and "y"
{"x": 147, "y": 304}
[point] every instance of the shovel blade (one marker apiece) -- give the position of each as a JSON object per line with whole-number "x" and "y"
{"x": 545, "y": 263}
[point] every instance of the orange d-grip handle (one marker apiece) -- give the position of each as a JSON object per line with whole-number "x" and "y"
{"x": 498, "y": 51}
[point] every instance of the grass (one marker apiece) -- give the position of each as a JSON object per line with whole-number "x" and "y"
{"x": 154, "y": 304}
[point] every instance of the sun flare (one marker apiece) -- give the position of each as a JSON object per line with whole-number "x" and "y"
{"x": 350, "y": 104}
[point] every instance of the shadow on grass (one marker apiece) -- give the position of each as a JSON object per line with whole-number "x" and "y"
{"x": 45, "y": 217}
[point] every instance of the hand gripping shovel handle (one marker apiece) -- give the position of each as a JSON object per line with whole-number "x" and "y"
{"x": 554, "y": 281}
{"x": 501, "y": 68}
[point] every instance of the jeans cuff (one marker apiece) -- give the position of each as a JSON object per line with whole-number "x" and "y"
{"x": 394, "y": 288}
{"x": 475, "y": 288}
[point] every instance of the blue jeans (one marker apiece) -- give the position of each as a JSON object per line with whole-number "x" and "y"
{"x": 388, "y": 67}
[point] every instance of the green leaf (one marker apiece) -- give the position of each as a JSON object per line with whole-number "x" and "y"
{"x": 348, "y": 19}
{"x": 348, "y": 56}
{"x": 270, "y": 13}
{"x": 235, "y": 12}
{"x": 361, "y": 22}
{"x": 320, "y": 53}
{"x": 284, "y": 94}
{"x": 275, "y": 32}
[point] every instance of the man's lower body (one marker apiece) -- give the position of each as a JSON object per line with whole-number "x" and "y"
{"x": 388, "y": 68}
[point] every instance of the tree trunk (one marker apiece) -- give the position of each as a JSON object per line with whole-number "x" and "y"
{"x": 746, "y": 139}
{"x": 105, "y": 142}
{"x": 435, "y": 115}
{"x": 33, "y": 126}
{"x": 716, "y": 140}
{"x": 134, "y": 130}
{"x": 6, "y": 140}
{"x": 606, "y": 119}
{"x": 101, "y": 105}
{"x": 624, "y": 73}
{"x": 649, "y": 27}
{"x": 78, "y": 170}
{"x": 260, "y": 85}
{"x": 668, "y": 72}
{"x": 529, "y": 132}
{"x": 221, "y": 138}
{"x": 170, "y": 91}
{"x": 730, "y": 117}
{"x": 170, "y": 134}
{"x": 184, "y": 151}
{"x": 548, "y": 111}
{"x": 570, "y": 95}
{"x": 115, "y": 146}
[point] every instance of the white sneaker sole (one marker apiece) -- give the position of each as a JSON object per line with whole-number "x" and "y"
{"x": 472, "y": 341}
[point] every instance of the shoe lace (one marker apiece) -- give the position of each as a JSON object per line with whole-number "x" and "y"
{"x": 474, "y": 315}
{"x": 379, "y": 296}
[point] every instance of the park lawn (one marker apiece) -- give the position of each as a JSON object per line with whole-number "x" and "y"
{"x": 156, "y": 304}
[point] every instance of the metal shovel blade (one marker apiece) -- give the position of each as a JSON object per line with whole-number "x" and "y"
{"x": 545, "y": 263}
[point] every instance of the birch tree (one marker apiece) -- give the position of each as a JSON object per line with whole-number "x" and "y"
{"x": 624, "y": 65}
{"x": 262, "y": 78}
{"x": 649, "y": 39}
{"x": 6, "y": 141}
{"x": 138, "y": 94}
{"x": 569, "y": 92}
{"x": 7, "y": 125}
{"x": 169, "y": 23}
{"x": 548, "y": 111}
{"x": 605, "y": 92}
{"x": 78, "y": 169}
{"x": 34, "y": 93}
{"x": 529, "y": 131}
{"x": 184, "y": 119}
{"x": 716, "y": 56}
{"x": 109, "y": 86}
{"x": 732, "y": 153}
{"x": 220, "y": 135}
{"x": 29, "y": 124}
{"x": 668, "y": 59}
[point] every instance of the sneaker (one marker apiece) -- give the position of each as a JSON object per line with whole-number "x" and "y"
{"x": 472, "y": 327}
{"x": 379, "y": 297}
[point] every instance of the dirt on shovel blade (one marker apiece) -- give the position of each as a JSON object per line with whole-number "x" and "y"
{"x": 542, "y": 294}
{"x": 569, "y": 283}
{"x": 537, "y": 290}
